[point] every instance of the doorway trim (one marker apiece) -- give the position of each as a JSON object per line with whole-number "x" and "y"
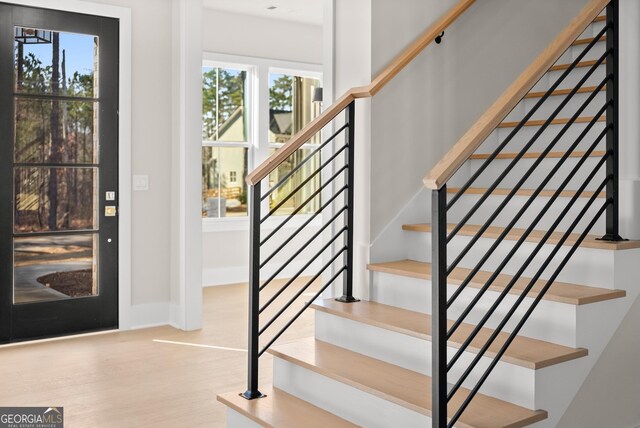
{"x": 124, "y": 136}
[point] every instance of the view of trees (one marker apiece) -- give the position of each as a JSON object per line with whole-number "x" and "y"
{"x": 222, "y": 97}
{"x": 281, "y": 93}
{"x": 53, "y": 131}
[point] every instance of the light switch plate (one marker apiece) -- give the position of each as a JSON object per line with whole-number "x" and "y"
{"x": 140, "y": 183}
{"x": 110, "y": 196}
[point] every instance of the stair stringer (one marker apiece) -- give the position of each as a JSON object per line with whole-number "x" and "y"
{"x": 596, "y": 326}
{"x": 390, "y": 244}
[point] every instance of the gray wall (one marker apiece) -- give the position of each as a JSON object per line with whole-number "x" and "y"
{"x": 423, "y": 112}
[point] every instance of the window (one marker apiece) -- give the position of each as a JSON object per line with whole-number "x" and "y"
{"x": 238, "y": 135}
{"x": 290, "y": 109}
{"x": 225, "y": 147}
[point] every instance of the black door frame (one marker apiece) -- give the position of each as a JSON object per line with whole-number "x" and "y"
{"x": 46, "y": 319}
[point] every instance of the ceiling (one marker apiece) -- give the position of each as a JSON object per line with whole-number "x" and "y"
{"x": 303, "y": 11}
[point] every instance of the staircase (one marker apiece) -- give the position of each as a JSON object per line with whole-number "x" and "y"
{"x": 505, "y": 250}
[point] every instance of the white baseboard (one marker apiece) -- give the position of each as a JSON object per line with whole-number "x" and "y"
{"x": 239, "y": 274}
{"x": 149, "y": 315}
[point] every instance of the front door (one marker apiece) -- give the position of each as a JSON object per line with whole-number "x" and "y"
{"x": 58, "y": 173}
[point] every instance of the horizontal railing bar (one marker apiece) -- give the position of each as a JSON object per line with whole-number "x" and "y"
{"x": 517, "y": 129}
{"x": 558, "y": 191}
{"x": 302, "y": 269}
{"x": 520, "y": 183}
{"x": 514, "y": 191}
{"x": 307, "y": 222}
{"x": 526, "y": 316}
{"x": 302, "y": 290}
{"x": 304, "y": 183}
{"x": 527, "y": 174}
{"x": 302, "y": 247}
{"x": 525, "y": 265}
{"x": 309, "y": 303}
{"x": 302, "y": 205}
{"x": 526, "y": 148}
{"x": 297, "y": 167}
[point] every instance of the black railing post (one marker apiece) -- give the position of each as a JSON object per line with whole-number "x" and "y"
{"x": 252, "y": 391}
{"x": 613, "y": 130}
{"x": 347, "y": 287}
{"x": 439, "y": 307}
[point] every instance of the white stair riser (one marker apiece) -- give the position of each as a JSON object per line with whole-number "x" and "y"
{"x": 508, "y": 382}
{"x": 549, "y": 106}
{"x": 515, "y": 205}
{"x": 551, "y": 321}
{"x": 540, "y": 173}
{"x": 592, "y": 30}
{"x": 237, "y": 420}
{"x": 343, "y": 400}
{"x": 594, "y": 53}
{"x": 527, "y": 133}
{"x": 588, "y": 266}
{"x": 577, "y": 74}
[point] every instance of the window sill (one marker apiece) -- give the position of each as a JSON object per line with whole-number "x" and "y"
{"x": 210, "y": 225}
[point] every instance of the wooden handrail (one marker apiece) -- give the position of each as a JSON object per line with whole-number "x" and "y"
{"x": 478, "y": 133}
{"x": 379, "y": 82}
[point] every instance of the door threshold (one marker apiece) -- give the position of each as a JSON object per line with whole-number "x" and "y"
{"x": 58, "y": 338}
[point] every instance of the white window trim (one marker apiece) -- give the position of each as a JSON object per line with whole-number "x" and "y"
{"x": 258, "y": 70}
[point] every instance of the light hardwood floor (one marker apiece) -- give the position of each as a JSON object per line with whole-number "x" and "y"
{"x": 126, "y": 379}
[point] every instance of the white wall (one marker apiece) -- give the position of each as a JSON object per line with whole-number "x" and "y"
{"x": 427, "y": 108}
{"x": 352, "y": 65}
{"x": 245, "y": 35}
{"x": 226, "y": 252}
{"x": 186, "y": 176}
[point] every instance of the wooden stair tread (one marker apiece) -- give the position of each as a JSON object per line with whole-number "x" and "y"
{"x": 591, "y": 241}
{"x": 524, "y": 351}
{"x": 547, "y": 193}
{"x": 281, "y": 410}
{"x": 401, "y": 386}
{"x": 562, "y": 292}
{"x": 535, "y": 155}
{"x": 601, "y": 18}
{"x": 559, "y": 92}
{"x": 562, "y": 121}
{"x": 589, "y": 63}
{"x": 588, "y": 40}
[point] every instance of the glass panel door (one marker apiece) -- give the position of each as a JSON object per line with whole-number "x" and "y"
{"x": 55, "y": 165}
{"x": 59, "y": 122}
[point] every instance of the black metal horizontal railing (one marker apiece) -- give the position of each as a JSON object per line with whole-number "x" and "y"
{"x": 568, "y": 225}
{"x": 336, "y": 252}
